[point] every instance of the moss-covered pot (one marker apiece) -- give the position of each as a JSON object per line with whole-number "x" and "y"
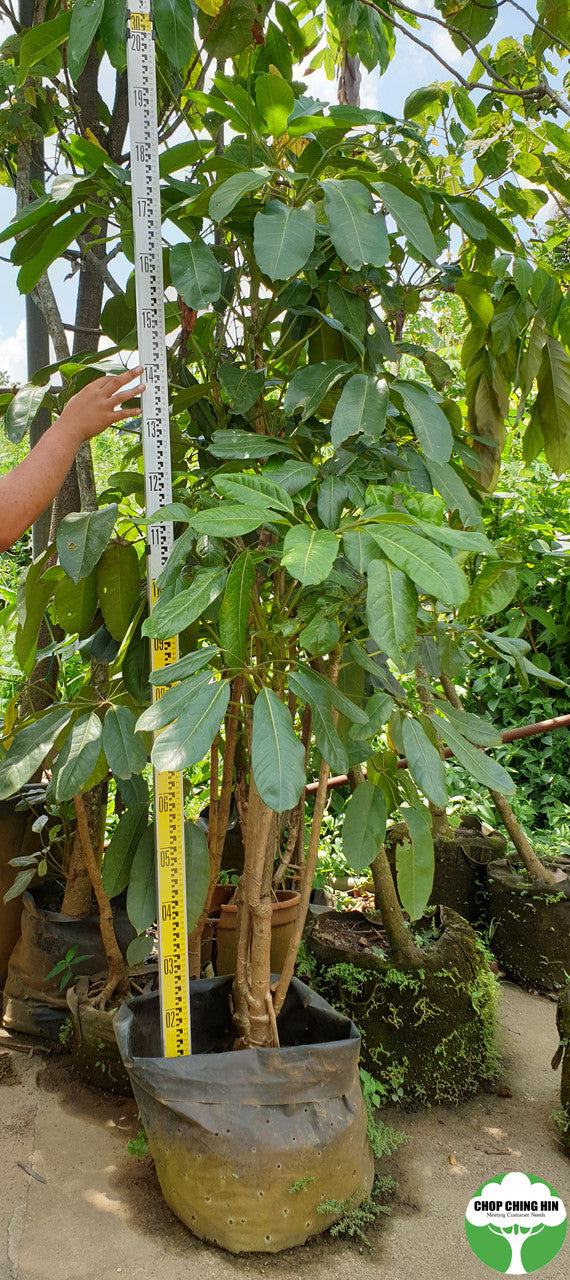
{"x": 530, "y": 930}
{"x": 33, "y": 1003}
{"x": 428, "y": 1032}
{"x": 247, "y": 1145}
{"x": 460, "y": 876}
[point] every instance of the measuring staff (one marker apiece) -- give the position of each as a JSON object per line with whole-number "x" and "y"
{"x": 168, "y": 795}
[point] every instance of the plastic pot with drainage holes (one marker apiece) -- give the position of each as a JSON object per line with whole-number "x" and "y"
{"x": 248, "y": 1145}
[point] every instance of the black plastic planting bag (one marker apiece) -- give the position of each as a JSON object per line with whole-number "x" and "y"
{"x": 33, "y": 1003}
{"x": 248, "y": 1144}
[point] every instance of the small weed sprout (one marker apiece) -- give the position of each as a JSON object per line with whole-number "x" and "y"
{"x": 65, "y": 1032}
{"x": 301, "y": 1184}
{"x": 138, "y": 1146}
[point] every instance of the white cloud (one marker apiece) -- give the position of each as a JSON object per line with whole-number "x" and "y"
{"x": 13, "y": 354}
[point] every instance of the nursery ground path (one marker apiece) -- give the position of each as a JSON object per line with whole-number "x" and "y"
{"x": 99, "y": 1213}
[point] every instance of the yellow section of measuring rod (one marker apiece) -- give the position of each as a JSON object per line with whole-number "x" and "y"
{"x": 140, "y": 21}
{"x": 169, "y": 826}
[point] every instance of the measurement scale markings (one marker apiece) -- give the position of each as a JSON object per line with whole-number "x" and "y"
{"x": 169, "y": 815}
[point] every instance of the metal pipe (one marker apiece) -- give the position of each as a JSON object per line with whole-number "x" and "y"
{"x": 509, "y": 735}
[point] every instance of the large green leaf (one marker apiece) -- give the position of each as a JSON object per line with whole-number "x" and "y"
{"x": 225, "y": 197}
{"x": 552, "y": 406}
{"x": 391, "y": 611}
{"x": 75, "y": 603}
{"x": 283, "y": 238}
{"x": 230, "y": 520}
{"x": 52, "y": 245}
{"x": 195, "y": 274}
{"x": 197, "y": 862}
{"x": 141, "y": 893}
{"x": 118, "y": 586}
{"x": 309, "y": 689}
{"x": 175, "y": 30}
{"x": 78, "y": 757}
{"x": 478, "y": 765}
{"x": 275, "y": 102}
{"x": 432, "y": 570}
{"x": 240, "y": 387}
{"x": 119, "y": 854}
{"x": 124, "y": 749}
{"x": 81, "y": 540}
{"x": 415, "y": 866}
{"x": 170, "y": 617}
{"x": 332, "y": 497}
{"x": 359, "y": 236}
{"x": 112, "y": 30}
{"x": 454, "y": 492}
{"x": 360, "y": 548}
{"x": 230, "y": 32}
{"x": 22, "y": 410}
{"x": 431, "y": 427}
{"x": 243, "y": 445}
{"x": 233, "y": 620}
{"x": 186, "y": 666}
{"x": 409, "y": 217}
{"x": 277, "y": 754}
{"x": 463, "y": 539}
{"x": 362, "y": 407}
{"x": 29, "y": 748}
{"x": 246, "y": 488}
{"x": 474, "y": 728}
{"x": 85, "y": 18}
{"x": 491, "y": 592}
{"x": 310, "y": 384}
{"x": 34, "y": 590}
{"x": 309, "y": 554}
{"x": 293, "y": 475}
{"x": 424, "y": 762}
{"x": 364, "y": 826}
{"x": 39, "y": 41}
{"x": 189, "y": 739}
{"x": 171, "y": 704}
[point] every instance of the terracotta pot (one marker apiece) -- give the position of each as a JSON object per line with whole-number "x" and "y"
{"x": 283, "y": 917}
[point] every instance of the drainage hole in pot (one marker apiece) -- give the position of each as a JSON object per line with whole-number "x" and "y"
{"x": 267, "y": 1239}
{"x": 277, "y": 1166}
{"x": 285, "y": 1212}
{"x": 230, "y": 1222}
{"x": 207, "y": 1199}
{"x": 260, "y": 1194}
{"x": 254, "y": 1148}
{"x": 307, "y": 1224}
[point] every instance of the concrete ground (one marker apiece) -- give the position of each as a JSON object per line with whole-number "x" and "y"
{"x": 99, "y": 1213}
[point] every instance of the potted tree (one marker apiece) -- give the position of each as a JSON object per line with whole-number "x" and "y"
{"x": 327, "y": 513}
{"x": 300, "y": 578}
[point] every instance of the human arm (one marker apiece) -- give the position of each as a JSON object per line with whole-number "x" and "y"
{"x": 26, "y": 491}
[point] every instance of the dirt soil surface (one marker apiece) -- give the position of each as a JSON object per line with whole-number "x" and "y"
{"x": 92, "y": 1212}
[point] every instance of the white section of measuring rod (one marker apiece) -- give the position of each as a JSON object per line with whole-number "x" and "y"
{"x": 149, "y": 284}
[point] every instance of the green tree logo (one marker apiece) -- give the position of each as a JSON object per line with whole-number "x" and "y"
{"x": 516, "y": 1224}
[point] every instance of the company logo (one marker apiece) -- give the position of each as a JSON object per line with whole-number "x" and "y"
{"x": 516, "y": 1224}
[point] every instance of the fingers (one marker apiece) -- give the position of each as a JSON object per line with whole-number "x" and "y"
{"x": 116, "y": 383}
{"x": 122, "y": 393}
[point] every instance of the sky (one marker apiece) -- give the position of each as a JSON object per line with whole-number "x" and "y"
{"x": 410, "y": 68}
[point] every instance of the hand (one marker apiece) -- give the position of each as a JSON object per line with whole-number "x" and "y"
{"x": 98, "y": 405}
